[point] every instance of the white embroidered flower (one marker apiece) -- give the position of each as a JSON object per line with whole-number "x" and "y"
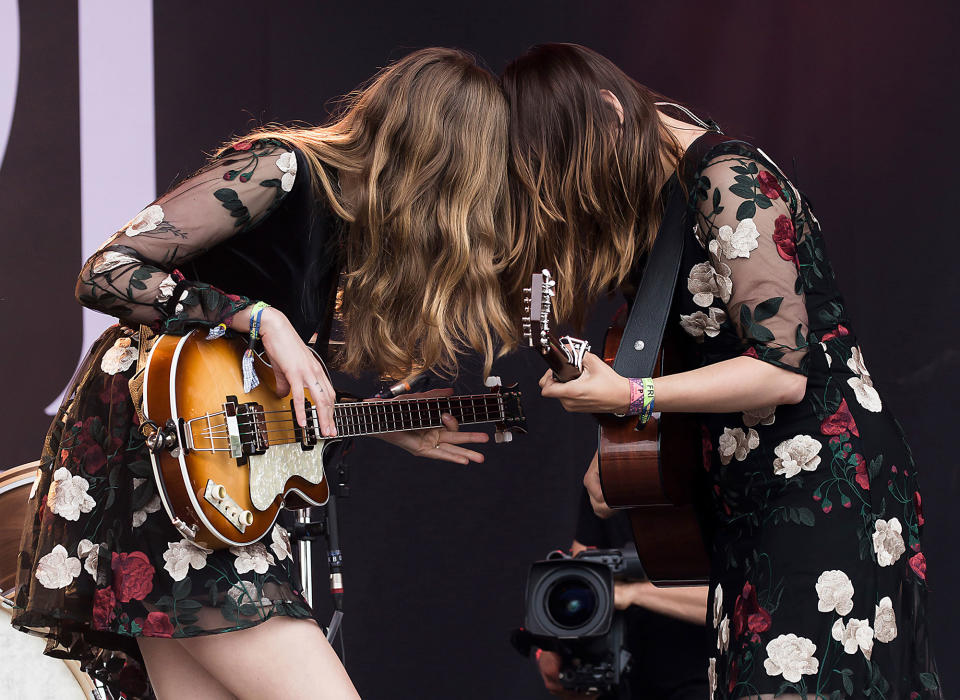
{"x": 244, "y": 593}
{"x": 56, "y": 569}
{"x": 119, "y": 358}
{"x": 791, "y": 656}
{"x": 288, "y": 164}
{"x": 68, "y": 495}
{"x": 165, "y": 290}
{"x": 717, "y": 605}
{"x": 735, "y": 443}
{"x": 180, "y": 556}
{"x": 856, "y": 634}
{"x": 763, "y": 416}
{"x": 281, "y": 543}
{"x": 835, "y": 592}
{"x": 147, "y": 220}
{"x": 112, "y": 259}
{"x": 90, "y": 553}
{"x": 862, "y": 384}
{"x": 888, "y": 541}
{"x": 885, "y": 622}
{"x": 152, "y": 506}
{"x": 253, "y": 557}
{"x": 735, "y": 243}
{"x": 712, "y": 676}
{"x": 797, "y": 453}
{"x": 699, "y": 324}
{"x": 723, "y": 634}
{"x": 706, "y": 282}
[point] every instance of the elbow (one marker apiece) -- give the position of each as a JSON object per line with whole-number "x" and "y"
{"x": 793, "y": 388}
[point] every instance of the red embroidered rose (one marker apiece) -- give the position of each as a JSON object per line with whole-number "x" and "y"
{"x": 837, "y": 332}
{"x": 862, "y": 478}
{"x": 918, "y": 506}
{"x": 157, "y": 624}
{"x": 103, "y": 608}
{"x": 734, "y": 675}
{"x": 132, "y": 576}
{"x": 840, "y": 422}
{"x": 747, "y": 613}
{"x": 115, "y": 391}
{"x": 751, "y": 352}
{"x": 918, "y": 563}
{"x": 243, "y": 146}
{"x": 769, "y": 185}
{"x": 785, "y": 237}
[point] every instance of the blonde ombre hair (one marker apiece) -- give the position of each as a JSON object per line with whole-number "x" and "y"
{"x": 426, "y": 139}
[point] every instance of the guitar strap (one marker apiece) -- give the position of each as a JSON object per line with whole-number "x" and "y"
{"x": 643, "y": 333}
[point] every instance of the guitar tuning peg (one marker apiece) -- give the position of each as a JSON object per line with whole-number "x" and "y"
{"x": 492, "y": 382}
{"x": 503, "y": 436}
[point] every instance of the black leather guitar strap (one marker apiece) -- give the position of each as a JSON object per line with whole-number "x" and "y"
{"x": 650, "y": 312}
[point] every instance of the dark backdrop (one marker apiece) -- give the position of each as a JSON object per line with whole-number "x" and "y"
{"x": 856, "y": 101}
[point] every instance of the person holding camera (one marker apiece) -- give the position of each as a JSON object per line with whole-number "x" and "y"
{"x": 664, "y": 626}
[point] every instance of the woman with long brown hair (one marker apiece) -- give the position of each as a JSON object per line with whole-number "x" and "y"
{"x": 818, "y": 577}
{"x": 403, "y": 196}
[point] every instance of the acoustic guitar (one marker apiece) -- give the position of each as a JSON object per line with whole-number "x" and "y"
{"x": 652, "y": 472}
{"x": 225, "y": 462}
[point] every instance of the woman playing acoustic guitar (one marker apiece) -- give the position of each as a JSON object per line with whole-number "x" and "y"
{"x": 405, "y": 193}
{"x": 818, "y": 583}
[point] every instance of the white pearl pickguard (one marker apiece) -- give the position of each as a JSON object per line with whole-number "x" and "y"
{"x": 270, "y": 471}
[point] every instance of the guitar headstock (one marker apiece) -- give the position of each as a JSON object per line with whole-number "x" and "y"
{"x": 564, "y": 356}
{"x": 514, "y": 421}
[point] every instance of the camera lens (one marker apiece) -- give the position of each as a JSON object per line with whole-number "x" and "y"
{"x": 571, "y": 602}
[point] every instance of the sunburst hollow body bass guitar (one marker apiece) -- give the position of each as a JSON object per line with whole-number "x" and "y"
{"x": 226, "y": 461}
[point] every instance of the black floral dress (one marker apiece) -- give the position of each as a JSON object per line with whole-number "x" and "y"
{"x": 100, "y": 563}
{"x": 819, "y": 578}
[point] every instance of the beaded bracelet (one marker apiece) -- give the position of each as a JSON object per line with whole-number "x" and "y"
{"x": 250, "y": 379}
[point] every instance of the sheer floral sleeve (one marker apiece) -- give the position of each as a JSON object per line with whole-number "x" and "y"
{"x": 746, "y": 223}
{"x": 134, "y": 277}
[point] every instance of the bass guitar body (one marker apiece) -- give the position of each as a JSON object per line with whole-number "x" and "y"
{"x": 218, "y": 485}
{"x": 655, "y": 474}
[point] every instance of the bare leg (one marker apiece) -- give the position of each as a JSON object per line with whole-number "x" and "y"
{"x": 282, "y": 657}
{"x": 174, "y": 673}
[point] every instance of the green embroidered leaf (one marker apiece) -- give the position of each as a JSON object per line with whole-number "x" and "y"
{"x": 930, "y": 681}
{"x": 746, "y": 317}
{"x": 164, "y": 603}
{"x": 875, "y": 465}
{"x": 739, "y": 169}
{"x": 213, "y": 592}
{"x": 273, "y": 182}
{"x": 848, "y": 681}
{"x": 747, "y": 210}
{"x": 111, "y": 499}
{"x": 760, "y": 333}
{"x": 248, "y": 609}
{"x": 746, "y": 180}
{"x": 742, "y": 191}
{"x": 767, "y": 309}
{"x": 181, "y": 589}
{"x": 716, "y": 199}
{"x": 137, "y": 284}
{"x": 752, "y": 168}
{"x": 187, "y": 618}
{"x": 225, "y": 194}
{"x": 806, "y": 516}
{"x": 800, "y": 340}
{"x": 192, "y": 631}
{"x": 188, "y": 604}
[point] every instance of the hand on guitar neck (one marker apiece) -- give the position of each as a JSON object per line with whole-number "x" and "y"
{"x": 438, "y": 443}
{"x": 598, "y": 389}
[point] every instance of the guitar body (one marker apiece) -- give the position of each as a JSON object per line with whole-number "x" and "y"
{"x": 188, "y": 377}
{"x": 654, "y": 474}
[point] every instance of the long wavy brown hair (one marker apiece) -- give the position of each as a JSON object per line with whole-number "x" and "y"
{"x": 585, "y": 187}
{"x": 429, "y": 233}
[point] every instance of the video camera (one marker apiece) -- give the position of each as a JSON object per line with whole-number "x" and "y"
{"x": 570, "y": 610}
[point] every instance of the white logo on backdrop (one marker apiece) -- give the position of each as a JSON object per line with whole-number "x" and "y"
{"x": 9, "y": 68}
{"x": 117, "y": 137}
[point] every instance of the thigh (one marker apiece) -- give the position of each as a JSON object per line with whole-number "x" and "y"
{"x": 282, "y": 657}
{"x": 175, "y": 674}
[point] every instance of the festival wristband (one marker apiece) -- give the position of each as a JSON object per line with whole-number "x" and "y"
{"x": 648, "y": 395}
{"x": 250, "y": 379}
